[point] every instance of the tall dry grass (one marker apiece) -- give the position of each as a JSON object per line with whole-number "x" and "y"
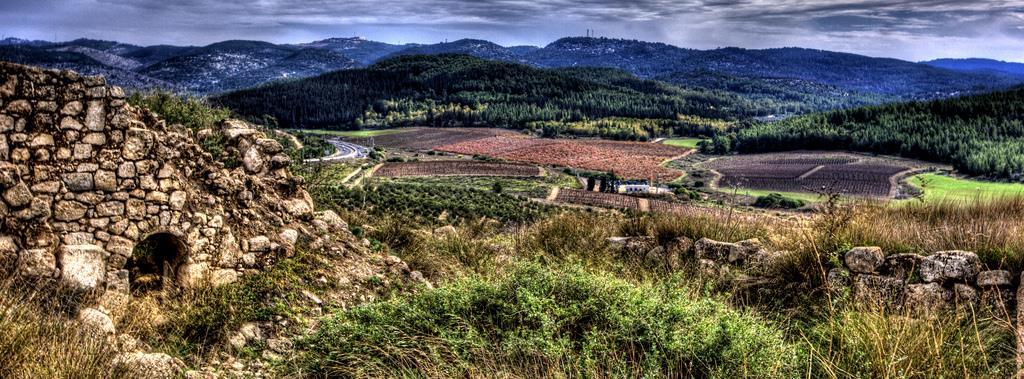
{"x": 992, "y": 228}
{"x": 38, "y": 341}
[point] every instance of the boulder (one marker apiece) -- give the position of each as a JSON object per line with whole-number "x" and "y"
{"x": 864, "y": 260}
{"x": 82, "y": 267}
{"x": 37, "y": 263}
{"x": 96, "y": 323}
{"x": 878, "y": 289}
{"x": 706, "y": 248}
{"x": 902, "y": 266}
{"x": 950, "y": 266}
{"x": 149, "y": 365}
{"x": 994, "y": 278}
{"x": 928, "y": 299}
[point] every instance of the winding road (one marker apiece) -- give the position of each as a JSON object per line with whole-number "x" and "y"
{"x": 342, "y": 150}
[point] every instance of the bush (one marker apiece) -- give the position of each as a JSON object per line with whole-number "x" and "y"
{"x": 778, "y": 201}
{"x": 194, "y": 113}
{"x": 538, "y": 322}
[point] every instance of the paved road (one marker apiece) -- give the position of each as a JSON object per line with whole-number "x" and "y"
{"x": 342, "y": 150}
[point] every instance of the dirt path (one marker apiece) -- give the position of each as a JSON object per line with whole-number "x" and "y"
{"x": 810, "y": 172}
{"x": 554, "y": 193}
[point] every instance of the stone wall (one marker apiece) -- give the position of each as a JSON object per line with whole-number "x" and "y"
{"x": 85, "y": 177}
{"x": 921, "y": 285}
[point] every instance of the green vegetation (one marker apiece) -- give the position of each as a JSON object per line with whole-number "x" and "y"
{"x": 938, "y": 187}
{"x": 979, "y": 135}
{"x": 194, "y": 113}
{"x": 351, "y": 133}
{"x": 541, "y": 322}
{"x": 775, "y": 200}
{"x": 458, "y": 90}
{"x": 688, "y": 143}
{"x": 805, "y": 197}
{"x": 530, "y": 187}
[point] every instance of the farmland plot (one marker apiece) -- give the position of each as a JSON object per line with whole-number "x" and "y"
{"x": 598, "y": 199}
{"x": 849, "y": 174}
{"x": 456, "y": 168}
{"x": 631, "y": 160}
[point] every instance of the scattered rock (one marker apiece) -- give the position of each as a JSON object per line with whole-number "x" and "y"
{"x": 149, "y": 365}
{"x": 864, "y": 260}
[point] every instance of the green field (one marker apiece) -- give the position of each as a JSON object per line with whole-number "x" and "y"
{"x": 350, "y": 133}
{"x": 942, "y": 187}
{"x": 806, "y": 197}
{"x": 687, "y": 143}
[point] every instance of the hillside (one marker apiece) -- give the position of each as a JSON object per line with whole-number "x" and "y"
{"x": 979, "y": 135}
{"x": 980, "y": 65}
{"x": 459, "y": 90}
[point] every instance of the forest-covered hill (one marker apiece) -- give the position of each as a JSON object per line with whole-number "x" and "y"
{"x": 460, "y": 90}
{"x": 979, "y": 134}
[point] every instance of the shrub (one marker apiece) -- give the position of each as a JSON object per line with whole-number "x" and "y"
{"x": 543, "y": 322}
{"x": 194, "y": 113}
{"x": 778, "y": 201}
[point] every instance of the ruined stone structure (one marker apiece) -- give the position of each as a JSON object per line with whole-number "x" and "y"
{"x": 86, "y": 178}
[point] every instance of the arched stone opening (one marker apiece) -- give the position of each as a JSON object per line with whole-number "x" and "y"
{"x": 154, "y": 262}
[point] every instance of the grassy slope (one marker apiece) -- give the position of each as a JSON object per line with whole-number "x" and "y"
{"x": 942, "y": 187}
{"x": 688, "y": 143}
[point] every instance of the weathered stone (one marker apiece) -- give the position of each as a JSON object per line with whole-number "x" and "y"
{"x": 136, "y": 209}
{"x": 105, "y": 181}
{"x": 177, "y": 201}
{"x": 706, "y": 248}
{"x": 78, "y": 182}
{"x": 865, "y": 260}
{"x": 878, "y": 289}
{"x": 120, "y": 246}
{"x": 22, "y": 107}
{"x": 994, "y": 278}
{"x": 41, "y": 140}
{"x": 95, "y": 116}
{"x": 137, "y": 143}
{"x": 157, "y": 197}
{"x": 928, "y": 298}
{"x": 18, "y": 196}
{"x": 965, "y": 294}
{"x": 260, "y": 244}
{"x": 902, "y": 266}
{"x": 252, "y": 160}
{"x": 96, "y": 323}
{"x": 110, "y": 208}
{"x": 838, "y": 278}
{"x": 298, "y": 208}
{"x": 38, "y": 263}
{"x": 222, "y": 277}
{"x": 97, "y": 139}
{"x": 126, "y": 170}
{"x": 193, "y": 274}
{"x": 70, "y": 123}
{"x": 6, "y": 123}
{"x": 950, "y": 266}
{"x": 149, "y": 365}
{"x": 82, "y": 267}
{"x": 73, "y": 108}
{"x": 69, "y": 210}
{"x": 82, "y": 151}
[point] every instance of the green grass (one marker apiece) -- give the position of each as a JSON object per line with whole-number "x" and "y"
{"x": 352, "y": 133}
{"x": 543, "y": 322}
{"x": 532, "y": 187}
{"x": 688, "y": 143}
{"x": 803, "y": 196}
{"x": 942, "y": 187}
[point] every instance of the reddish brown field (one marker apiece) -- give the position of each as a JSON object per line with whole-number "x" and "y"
{"x": 633, "y": 160}
{"x": 849, "y": 174}
{"x": 456, "y": 168}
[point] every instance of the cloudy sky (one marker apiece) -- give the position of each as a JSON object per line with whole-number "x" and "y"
{"x": 906, "y": 29}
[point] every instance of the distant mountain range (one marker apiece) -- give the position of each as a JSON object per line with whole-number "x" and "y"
{"x": 980, "y": 65}
{"x": 796, "y": 80}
